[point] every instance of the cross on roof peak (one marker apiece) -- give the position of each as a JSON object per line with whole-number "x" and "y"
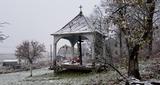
{"x": 80, "y": 8}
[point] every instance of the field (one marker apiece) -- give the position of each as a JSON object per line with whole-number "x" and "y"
{"x": 46, "y": 77}
{"x": 149, "y": 70}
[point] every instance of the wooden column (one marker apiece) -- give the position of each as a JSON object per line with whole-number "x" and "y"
{"x": 80, "y": 50}
{"x": 72, "y": 48}
{"x": 54, "y": 53}
{"x": 93, "y": 53}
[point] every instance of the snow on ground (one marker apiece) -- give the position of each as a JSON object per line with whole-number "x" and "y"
{"x": 18, "y": 77}
{"x": 46, "y": 77}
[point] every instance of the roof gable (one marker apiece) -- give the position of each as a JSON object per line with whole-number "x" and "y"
{"x": 79, "y": 24}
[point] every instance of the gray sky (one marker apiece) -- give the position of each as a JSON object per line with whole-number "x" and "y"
{"x": 37, "y": 19}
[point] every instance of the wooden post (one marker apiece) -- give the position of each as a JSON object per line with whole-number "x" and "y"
{"x": 54, "y": 54}
{"x": 51, "y": 53}
{"x": 72, "y": 50}
{"x": 80, "y": 50}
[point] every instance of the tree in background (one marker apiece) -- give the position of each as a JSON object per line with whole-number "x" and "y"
{"x": 135, "y": 20}
{"x": 99, "y": 21}
{"x": 30, "y": 51}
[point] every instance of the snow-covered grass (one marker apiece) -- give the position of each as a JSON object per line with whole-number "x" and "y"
{"x": 46, "y": 77}
{"x": 103, "y": 78}
{"x": 150, "y": 69}
{"x": 17, "y": 77}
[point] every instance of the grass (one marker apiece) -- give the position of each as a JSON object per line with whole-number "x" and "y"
{"x": 66, "y": 74}
{"x": 73, "y": 73}
{"x": 78, "y": 77}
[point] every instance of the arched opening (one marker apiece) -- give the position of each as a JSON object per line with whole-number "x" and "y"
{"x": 62, "y": 42}
{"x": 73, "y": 49}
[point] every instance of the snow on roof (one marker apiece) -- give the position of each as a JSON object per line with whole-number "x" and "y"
{"x": 78, "y": 24}
{"x": 68, "y": 33}
{"x": 10, "y": 60}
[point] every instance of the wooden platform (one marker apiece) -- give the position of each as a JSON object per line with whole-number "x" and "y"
{"x": 78, "y": 67}
{"x": 71, "y": 67}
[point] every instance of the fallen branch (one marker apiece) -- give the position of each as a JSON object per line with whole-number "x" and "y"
{"x": 108, "y": 64}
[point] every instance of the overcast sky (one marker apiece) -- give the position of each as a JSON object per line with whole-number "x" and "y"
{"x": 37, "y": 19}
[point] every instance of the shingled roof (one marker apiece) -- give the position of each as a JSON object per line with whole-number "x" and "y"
{"x": 79, "y": 24}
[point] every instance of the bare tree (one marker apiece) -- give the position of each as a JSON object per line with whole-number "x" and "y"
{"x": 30, "y": 51}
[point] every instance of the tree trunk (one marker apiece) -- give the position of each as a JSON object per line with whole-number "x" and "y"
{"x": 120, "y": 44}
{"x": 149, "y": 23}
{"x": 150, "y": 44}
{"x": 133, "y": 69}
{"x": 30, "y": 70}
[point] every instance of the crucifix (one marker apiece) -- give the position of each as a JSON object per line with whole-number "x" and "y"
{"x": 80, "y": 49}
{"x": 80, "y": 8}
